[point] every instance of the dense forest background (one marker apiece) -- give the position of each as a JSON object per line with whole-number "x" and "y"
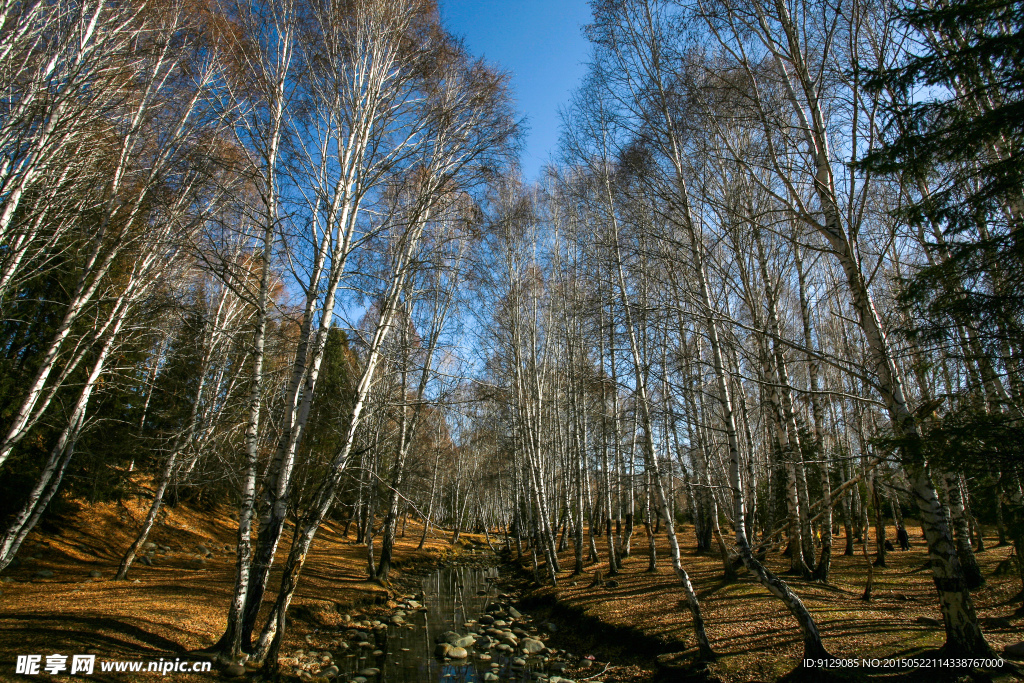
{"x": 278, "y": 256}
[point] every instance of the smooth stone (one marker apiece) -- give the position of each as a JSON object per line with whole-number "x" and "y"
{"x": 518, "y": 661}
{"x": 465, "y": 641}
{"x": 330, "y": 672}
{"x": 490, "y": 677}
{"x": 514, "y": 613}
{"x": 95, "y": 574}
{"x": 369, "y": 672}
{"x": 484, "y": 658}
{"x": 532, "y": 645}
{"x": 234, "y": 670}
{"x": 450, "y": 637}
{"x": 378, "y": 653}
{"x": 442, "y": 650}
{"x": 359, "y": 679}
{"x": 44, "y": 574}
{"x": 458, "y": 653}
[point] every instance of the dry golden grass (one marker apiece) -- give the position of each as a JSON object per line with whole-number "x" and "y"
{"x": 754, "y": 634}
{"x": 176, "y": 608}
{"x": 170, "y": 608}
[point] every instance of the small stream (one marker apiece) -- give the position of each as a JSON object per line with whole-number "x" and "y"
{"x": 458, "y": 628}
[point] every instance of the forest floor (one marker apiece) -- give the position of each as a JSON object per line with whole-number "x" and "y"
{"x": 754, "y": 636}
{"x": 179, "y": 604}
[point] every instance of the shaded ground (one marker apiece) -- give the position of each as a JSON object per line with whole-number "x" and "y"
{"x": 176, "y": 606}
{"x": 753, "y": 633}
{"x": 179, "y": 604}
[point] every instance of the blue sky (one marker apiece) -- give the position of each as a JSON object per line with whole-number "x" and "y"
{"x": 540, "y": 44}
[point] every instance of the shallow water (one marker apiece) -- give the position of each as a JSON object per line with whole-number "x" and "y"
{"x": 451, "y": 599}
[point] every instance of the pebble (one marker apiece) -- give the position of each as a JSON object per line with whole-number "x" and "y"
{"x": 234, "y": 670}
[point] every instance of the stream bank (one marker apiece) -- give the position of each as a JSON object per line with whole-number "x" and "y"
{"x": 467, "y": 620}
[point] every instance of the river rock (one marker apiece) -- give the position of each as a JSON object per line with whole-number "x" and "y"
{"x": 518, "y": 661}
{"x": 234, "y": 670}
{"x": 514, "y": 613}
{"x": 490, "y": 677}
{"x": 465, "y": 641}
{"x": 149, "y": 545}
{"x": 486, "y": 619}
{"x": 450, "y": 637}
{"x": 484, "y": 657}
{"x": 397, "y": 620}
{"x": 442, "y": 650}
{"x": 369, "y": 672}
{"x": 44, "y": 574}
{"x": 95, "y": 574}
{"x": 531, "y": 645}
{"x": 458, "y": 653}
{"x": 330, "y": 672}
